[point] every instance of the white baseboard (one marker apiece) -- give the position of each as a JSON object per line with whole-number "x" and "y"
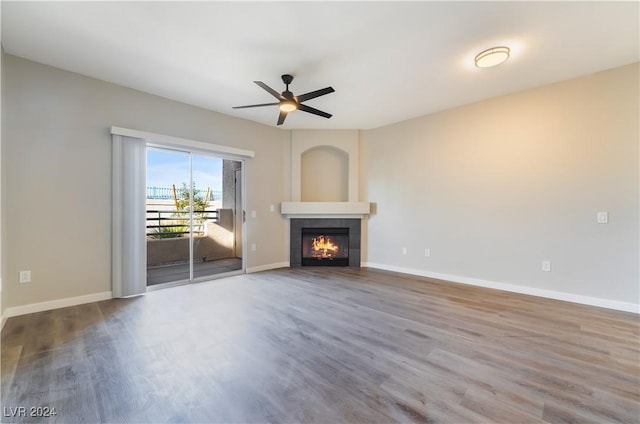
{"x": 55, "y": 304}
{"x": 551, "y": 294}
{"x": 268, "y": 267}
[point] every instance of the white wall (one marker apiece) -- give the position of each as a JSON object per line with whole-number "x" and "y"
{"x": 496, "y": 187}
{"x": 57, "y": 156}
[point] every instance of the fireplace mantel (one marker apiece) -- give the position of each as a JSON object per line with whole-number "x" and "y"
{"x": 325, "y": 209}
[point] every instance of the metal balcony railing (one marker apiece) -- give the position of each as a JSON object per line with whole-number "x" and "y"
{"x": 171, "y": 224}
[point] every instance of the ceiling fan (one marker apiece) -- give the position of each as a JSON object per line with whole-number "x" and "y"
{"x": 287, "y": 102}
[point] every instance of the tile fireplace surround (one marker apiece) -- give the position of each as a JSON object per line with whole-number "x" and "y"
{"x": 353, "y": 224}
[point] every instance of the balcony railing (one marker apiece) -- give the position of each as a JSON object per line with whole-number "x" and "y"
{"x": 159, "y": 193}
{"x": 167, "y": 193}
{"x": 171, "y": 224}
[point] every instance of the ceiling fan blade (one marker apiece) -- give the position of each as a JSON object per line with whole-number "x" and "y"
{"x": 314, "y": 94}
{"x": 268, "y": 89}
{"x": 262, "y": 104}
{"x": 309, "y": 109}
{"x": 281, "y": 117}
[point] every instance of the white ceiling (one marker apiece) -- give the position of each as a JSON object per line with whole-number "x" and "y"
{"x": 388, "y": 61}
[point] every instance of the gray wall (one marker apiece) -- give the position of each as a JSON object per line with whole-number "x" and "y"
{"x": 57, "y": 175}
{"x": 494, "y": 188}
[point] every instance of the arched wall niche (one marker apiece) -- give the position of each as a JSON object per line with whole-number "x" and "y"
{"x": 333, "y": 146}
{"x": 324, "y": 174}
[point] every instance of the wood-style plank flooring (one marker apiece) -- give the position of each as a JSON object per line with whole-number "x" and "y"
{"x": 180, "y": 272}
{"x": 324, "y": 345}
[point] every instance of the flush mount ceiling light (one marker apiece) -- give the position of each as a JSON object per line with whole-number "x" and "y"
{"x": 492, "y": 57}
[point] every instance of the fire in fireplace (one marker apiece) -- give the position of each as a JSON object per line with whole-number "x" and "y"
{"x": 325, "y": 246}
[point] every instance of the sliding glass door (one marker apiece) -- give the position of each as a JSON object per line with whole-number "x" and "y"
{"x": 193, "y": 201}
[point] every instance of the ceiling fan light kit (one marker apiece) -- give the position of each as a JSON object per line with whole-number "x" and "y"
{"x": 492, "y": 57}
{"x": 288, "y": 105}
{"x": 287, "y": 102}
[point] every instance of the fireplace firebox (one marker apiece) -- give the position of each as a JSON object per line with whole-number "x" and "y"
{"x": 334, "y": 228}
{"x": 325, "y": 246}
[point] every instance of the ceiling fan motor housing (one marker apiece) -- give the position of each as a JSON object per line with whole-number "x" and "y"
{"x": 286, "y": 78}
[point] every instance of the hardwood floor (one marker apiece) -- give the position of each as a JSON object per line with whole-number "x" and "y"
{"x": 324, "y": 345}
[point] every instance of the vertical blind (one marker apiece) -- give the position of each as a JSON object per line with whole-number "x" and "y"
{"x": 129, "y": 247}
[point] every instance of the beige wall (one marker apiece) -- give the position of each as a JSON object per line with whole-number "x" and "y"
{"x": 57, "y": 155}
{"x": 309, "y": 149}
{"x": 491, "y": 188}
{"x": 3, "y": 191}
{"x": 496, "y": 187}
{"x": 324, "y": 174}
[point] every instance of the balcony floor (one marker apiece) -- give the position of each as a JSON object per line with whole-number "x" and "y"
{"x": 180, "y": 272}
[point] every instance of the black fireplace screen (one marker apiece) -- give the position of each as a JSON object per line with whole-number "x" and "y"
{"x": 325, "y": 246}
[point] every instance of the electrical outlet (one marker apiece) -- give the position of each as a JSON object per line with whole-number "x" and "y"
{"x": 602, "y": 217}
{"x": 546, "y": 266}
{"x": 404, "y": 250}
{"x": 253, "y": 247}
{"x": 427, "y": 253}
{"x": 272, "y": 208}
{"x": 253, "y": 214}
{"x": 25, "y": 277}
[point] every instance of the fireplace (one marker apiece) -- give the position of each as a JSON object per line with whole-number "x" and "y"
{"x": 325, "y": 242}
{"x": 325, "y": 246}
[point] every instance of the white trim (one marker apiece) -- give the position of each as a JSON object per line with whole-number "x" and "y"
{"x": 324, "y": 216}
{"x": 267, "y": 267}
{"x": 243, "y": 208}
{"x": 55, "y": 304}
{"x": 551, "y": 294}
{"x": 325, "y": 209}
{"x": 167, "y": 140}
